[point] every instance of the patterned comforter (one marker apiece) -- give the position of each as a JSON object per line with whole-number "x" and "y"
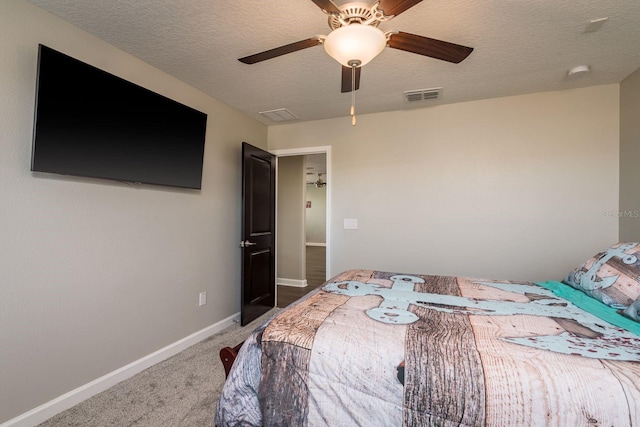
{"x": 381, "y": 349}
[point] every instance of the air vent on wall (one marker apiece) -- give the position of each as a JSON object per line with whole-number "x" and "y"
{"x": 279, "y": 115}
{"x": 422, "y": 94}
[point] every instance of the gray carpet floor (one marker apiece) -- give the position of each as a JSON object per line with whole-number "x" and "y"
{"x": 180, "y": 391}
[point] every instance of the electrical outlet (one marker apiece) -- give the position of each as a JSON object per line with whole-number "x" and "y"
{"x": 203, "y": 299}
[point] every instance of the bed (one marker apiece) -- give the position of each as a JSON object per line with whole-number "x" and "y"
{"x": 377, "y": 348}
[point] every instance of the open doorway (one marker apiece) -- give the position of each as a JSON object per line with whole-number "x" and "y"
{"x": 315, "y": 218}
{"x": 303, "y": 218}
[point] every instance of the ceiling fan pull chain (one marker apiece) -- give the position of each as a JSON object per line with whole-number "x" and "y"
{"x": 354, "y": 64}
{"x": 353, "y": 95}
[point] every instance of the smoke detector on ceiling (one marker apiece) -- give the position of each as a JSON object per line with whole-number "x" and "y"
{"x": 594, "y": 25}
{"x": 578, "y": 71}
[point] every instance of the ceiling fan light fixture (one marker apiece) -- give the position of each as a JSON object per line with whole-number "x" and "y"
{"x": 357, "y": 42}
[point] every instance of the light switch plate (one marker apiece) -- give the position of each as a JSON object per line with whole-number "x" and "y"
{"x": 350, "y": 224}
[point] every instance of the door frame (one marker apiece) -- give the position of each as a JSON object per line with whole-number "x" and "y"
{"x": 303, "y": 151}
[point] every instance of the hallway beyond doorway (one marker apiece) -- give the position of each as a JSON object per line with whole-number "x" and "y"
{"x": 316, "y": 273}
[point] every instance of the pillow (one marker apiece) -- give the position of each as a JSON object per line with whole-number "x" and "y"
{"x": 633, "y": 311}
{"x": 612, "y": 276}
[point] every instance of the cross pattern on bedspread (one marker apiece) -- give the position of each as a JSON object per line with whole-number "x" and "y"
{"x": 596, "y": 338}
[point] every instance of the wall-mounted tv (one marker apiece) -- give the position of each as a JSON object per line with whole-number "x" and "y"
{"x": 91, "y": 123}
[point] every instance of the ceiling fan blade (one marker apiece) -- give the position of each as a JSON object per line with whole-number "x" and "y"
{"x": 327, "y": 6}
{"x": 346, "y": 79}
{"x": 282, "y": 50}
{"x": 396, "y": 7}
{"x": 429, "y": 47}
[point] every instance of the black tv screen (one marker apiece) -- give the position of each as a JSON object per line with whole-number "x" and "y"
{"x": 91, "y": 123}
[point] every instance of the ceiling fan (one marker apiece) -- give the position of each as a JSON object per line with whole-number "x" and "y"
{"x": 355, "y": 38}
{"x": 320, "y": 183}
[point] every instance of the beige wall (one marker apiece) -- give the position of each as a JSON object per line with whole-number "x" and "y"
{"x": 290, "y": 226}
{"x": 316, "y": 215}
{"x": 630, "y": 158}
{"x": 95, "y": 274}
{"x": 514, "y": 188}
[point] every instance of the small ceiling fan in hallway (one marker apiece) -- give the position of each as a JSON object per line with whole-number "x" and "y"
{"x": 319, "y": 183}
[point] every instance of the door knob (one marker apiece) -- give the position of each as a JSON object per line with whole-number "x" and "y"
{"x": 246, "y": 243}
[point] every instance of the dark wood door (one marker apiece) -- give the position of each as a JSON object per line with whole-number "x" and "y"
{"x": 258, "y": 233}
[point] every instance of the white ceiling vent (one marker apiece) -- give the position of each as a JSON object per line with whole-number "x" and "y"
{"x": 279, "y": 115}
{"x": 422, "y": 94}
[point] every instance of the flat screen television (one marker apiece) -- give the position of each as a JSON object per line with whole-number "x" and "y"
{"x": 90, "y": 123}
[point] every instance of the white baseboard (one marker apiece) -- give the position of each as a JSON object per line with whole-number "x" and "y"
{"x": 315, "y": 244}
{"x": 296, "y": 283}
{"x": 72, "y": 398}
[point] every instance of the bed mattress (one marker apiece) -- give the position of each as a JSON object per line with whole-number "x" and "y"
{"x": 376, "y": 348}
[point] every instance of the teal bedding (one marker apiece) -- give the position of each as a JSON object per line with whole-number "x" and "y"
{"x": 591, "y": 305}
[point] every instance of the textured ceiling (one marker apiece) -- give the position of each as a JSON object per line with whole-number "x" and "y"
{"x": 521, "y": 46}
